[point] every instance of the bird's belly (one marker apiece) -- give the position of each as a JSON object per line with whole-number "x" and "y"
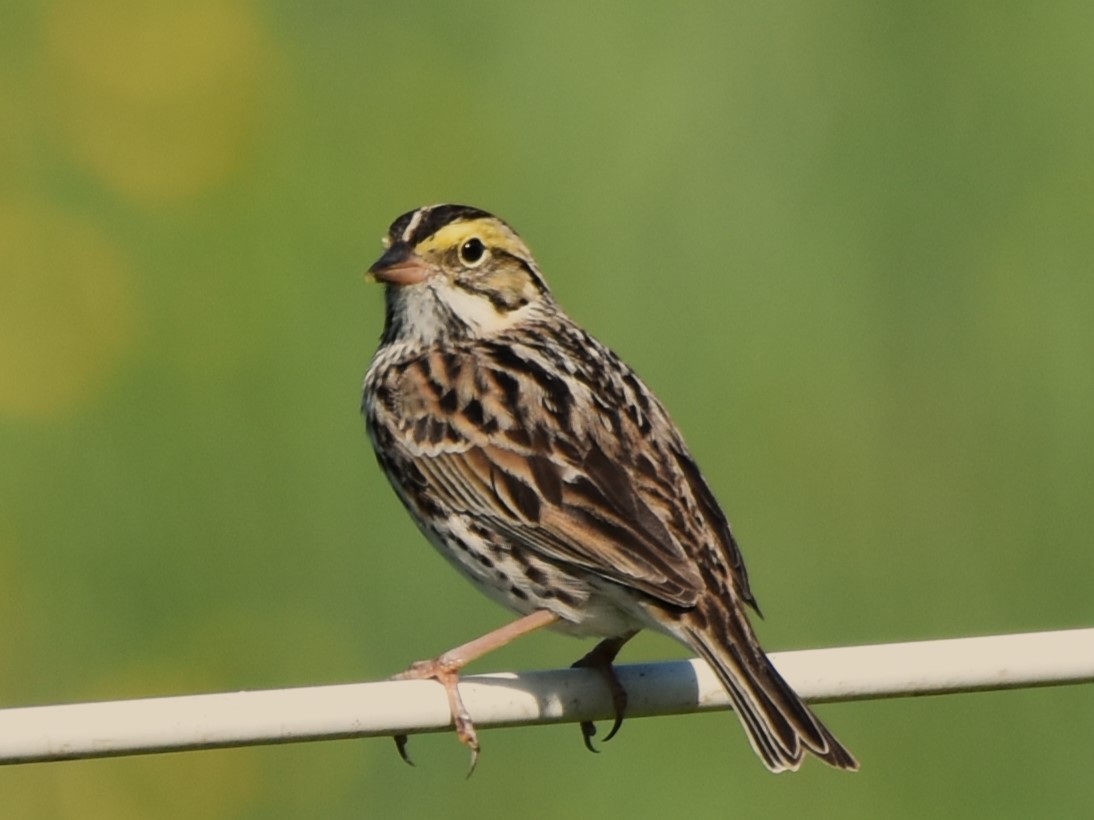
{"x": 524, "y": 582}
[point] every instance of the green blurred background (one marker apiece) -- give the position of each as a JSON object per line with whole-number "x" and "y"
{"x": 848, "y": 244}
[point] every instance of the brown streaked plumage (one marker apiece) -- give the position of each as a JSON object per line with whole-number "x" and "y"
{"x": 546, "y": 471}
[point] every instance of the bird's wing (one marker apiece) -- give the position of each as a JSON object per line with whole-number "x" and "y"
{"x": 588, "y": 475}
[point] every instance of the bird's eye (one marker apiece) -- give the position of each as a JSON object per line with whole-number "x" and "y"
{"x": 472, "y": 252}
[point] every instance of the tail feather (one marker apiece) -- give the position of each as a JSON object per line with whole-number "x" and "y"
{"x": 780, "y": 727}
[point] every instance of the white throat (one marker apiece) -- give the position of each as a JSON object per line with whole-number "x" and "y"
{"x": 426, "y": 320}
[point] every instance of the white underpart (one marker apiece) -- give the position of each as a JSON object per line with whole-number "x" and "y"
{"x": 604, "y": 608}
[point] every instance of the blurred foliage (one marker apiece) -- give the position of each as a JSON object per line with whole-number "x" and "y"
{"x": 848, "y": 244}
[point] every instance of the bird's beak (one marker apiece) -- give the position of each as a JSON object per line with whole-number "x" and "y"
{"x": 399, "y": 266}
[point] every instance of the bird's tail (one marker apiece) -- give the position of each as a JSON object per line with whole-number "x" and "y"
{"x": 780, "y": 727}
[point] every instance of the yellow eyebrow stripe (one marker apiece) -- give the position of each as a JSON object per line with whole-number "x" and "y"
{"x": 454, "y": 235}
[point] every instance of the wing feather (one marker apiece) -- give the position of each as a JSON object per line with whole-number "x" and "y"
{"x": 530, "y": 454}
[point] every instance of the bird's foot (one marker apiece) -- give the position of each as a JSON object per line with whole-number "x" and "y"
{"x": 601, "y": 658}
{"x": 448, "y": 675}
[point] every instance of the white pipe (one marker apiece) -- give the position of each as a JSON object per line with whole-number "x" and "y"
{"x": 65, "y": 732}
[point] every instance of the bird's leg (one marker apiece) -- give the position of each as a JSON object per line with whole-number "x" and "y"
{"x": 601, "y": 658}
{"x": 445, "y": 669}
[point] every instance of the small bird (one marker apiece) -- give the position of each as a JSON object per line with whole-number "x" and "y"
{"x": 550, "y": 476}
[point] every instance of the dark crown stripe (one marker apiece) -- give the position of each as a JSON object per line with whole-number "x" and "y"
{"x": 431, "y": 220}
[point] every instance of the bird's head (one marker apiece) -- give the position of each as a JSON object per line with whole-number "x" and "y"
{"x": 453, "y": 271}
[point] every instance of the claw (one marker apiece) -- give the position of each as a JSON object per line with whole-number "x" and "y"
{"x": 619, "y": 707}
{"x": 588, "y": 732}
{"x": 400, "y": 745}
{"x": 474, "y": 761}
{"x": 600, "y": 658}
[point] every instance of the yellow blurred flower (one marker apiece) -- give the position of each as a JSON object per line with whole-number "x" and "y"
{"x": 159, "y": 101}
{"x": 67, "y": 310}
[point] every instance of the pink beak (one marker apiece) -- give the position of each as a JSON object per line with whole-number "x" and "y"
{"x": 400, "y": 266}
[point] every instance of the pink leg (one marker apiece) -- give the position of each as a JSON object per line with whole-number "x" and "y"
{"x": 445, "y": 669}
